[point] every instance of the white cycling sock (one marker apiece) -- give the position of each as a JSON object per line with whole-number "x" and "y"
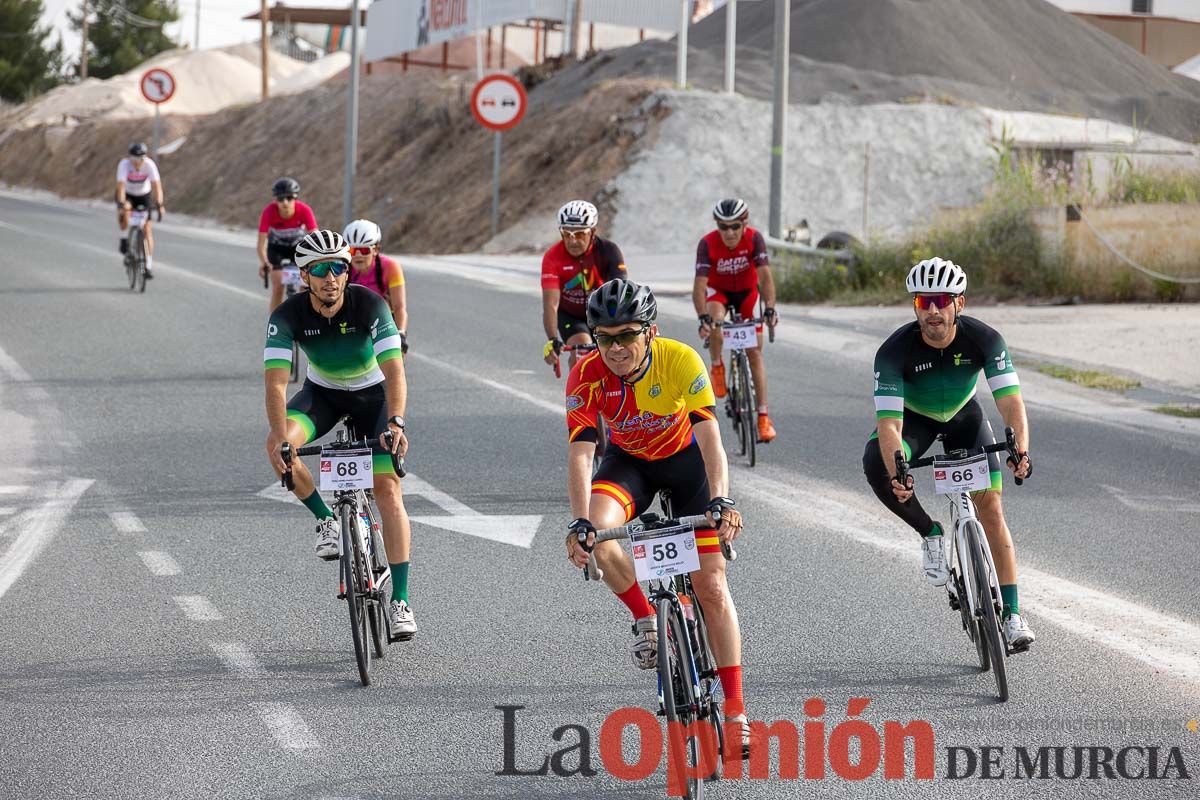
{"x": 149, "y": 262}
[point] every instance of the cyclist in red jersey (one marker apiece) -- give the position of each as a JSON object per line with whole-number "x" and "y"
{"x": 731, "y": 266}
{"x": 282, "y": 224}
{"x": 377, "y": 272}
{"x": 571, "y": 269}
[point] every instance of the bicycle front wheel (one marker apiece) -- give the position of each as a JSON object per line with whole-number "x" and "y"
{"x": 140, "y": 257}
{"x": 746, "y": 408}
{"x": 677, "y": 691}
{"x": 135, "y": 258}
{"x": 355, "y": 588}
{"x": 990, "y": 623}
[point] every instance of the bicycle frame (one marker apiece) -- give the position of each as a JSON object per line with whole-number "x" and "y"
{"x": 962, "y": 511}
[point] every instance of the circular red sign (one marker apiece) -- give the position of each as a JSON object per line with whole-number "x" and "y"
{"x": 157, "y": 85}
{"x": 498, "y": 102}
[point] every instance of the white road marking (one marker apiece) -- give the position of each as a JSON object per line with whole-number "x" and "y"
{"x": 198, "y": 608}
{"x": 546, "y": 405}
{"x": 13, "y": 489}
{"x": 1168, "y": 504}
{"x": 286, "y": 725}
{"x": 172, "y": 270}
{"x": 36, "y": 527}
{"x": 158, "y": 562}
{"x": 6, "y": 510}
{"x": 127, "y": 522}
{"x": 238, "y": 659}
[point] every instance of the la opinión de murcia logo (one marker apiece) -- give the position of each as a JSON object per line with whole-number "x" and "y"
{"x": 853, "y": 750}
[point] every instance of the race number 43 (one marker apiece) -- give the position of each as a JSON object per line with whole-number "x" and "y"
{"x": 742, "y": 336}
{"x": 343, "y": 470}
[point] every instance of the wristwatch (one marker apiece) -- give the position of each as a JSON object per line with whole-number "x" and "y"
{"x": 398, "y": 421}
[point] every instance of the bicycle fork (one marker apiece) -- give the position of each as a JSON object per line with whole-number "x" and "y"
{"x": 964, "y": 512}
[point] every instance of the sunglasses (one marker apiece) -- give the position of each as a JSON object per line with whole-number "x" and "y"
{"x": 338, "y": 268}
{"x": 284, "y": 197}
{"x": 736, "y": 226}
{"x": 575, "y": 233}
{"x": 624, "y": 339}
{"x": 926, "y": 301}
{"x": 360, "y": 251}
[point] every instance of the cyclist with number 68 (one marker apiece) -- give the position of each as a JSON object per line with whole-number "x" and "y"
{"x": 355, "y": 369}
{"x": 654, "y": 395}
{"x": 732, "y": 266}
{"x": 925, "y": 376}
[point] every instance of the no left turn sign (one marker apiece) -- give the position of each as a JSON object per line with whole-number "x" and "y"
{"x": 158, "y": 85}
{"x": 499, "y": 102}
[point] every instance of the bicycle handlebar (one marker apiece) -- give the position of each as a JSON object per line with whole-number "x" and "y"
{"x": 592, "y": 571}
{"x": 568, "y": 348}
{"x": 1009, "y": 445}
{"x": 287, "y": 452}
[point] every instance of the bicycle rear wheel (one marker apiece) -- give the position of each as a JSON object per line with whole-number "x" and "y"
{"x": 746, "y": 407}
{"x": 990, "y": 623}
{"x": 355, "y": 588}
{"x": 136, "y": 259}
{"x": 676, "y": 685}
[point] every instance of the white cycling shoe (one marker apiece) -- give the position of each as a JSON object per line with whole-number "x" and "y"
{"x": 645, "y": 643}
{"x": 329, "y": 539}
{"x": 404, "y": 623}
{"x": 933, "y": 560}
{"x": 743, "y": 736}
{"x": 1017, "y": 632}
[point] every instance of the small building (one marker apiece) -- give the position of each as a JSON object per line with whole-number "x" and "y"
{"x": 1165, "y": 31}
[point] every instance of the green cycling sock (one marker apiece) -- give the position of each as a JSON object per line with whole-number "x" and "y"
{"x": 400, "y": 581}
{"x": 935, "y": 531}
{"x": 1008, "y": 592}
{"x": 317, "y": 506}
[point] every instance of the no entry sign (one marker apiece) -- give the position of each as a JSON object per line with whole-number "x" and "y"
{"x": 498, "y": 102}
{"x": 158, "y": 85}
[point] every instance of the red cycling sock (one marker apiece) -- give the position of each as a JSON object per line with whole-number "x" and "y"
{"x": 635, "y": 599}
{"x": 731, "y": 687}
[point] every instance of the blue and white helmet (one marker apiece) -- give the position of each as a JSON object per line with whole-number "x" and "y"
{"x": 936, "y": 275}
{"x": 578, "y": 214}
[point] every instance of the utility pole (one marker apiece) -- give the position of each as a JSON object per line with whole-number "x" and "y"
{"x": 685, "y": 17}
{"x": 83, "y": 53}
{"x": 263, "y": 33}
{"x": 197, "y": 24}
{"x": 730, "y": 42}
{"x": 352, "y": 119}
{"x": 576, "y": 25}
{"x": 783, "y": 9}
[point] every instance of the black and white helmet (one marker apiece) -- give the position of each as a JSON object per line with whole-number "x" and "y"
{"x": 936, "y": 275}
{"x": 730, "y": 209}
{"x": 138, "y": 149}
{"x": 362, "y": 233}
{"x": 619, "y": 302}
{"x": 321, "y": 245}
{"x": 578, "y": 214}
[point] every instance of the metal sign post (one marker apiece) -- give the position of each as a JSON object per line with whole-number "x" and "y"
{"x": 730, "y": 42}
{"x": 685, "y": 15}
{"x": 783, "y": 10}
{"x": 351, "y": 121}
{"x": 498, "y": 103}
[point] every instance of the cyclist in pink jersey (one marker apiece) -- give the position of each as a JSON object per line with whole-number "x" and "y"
{"x": 377, "y": 272}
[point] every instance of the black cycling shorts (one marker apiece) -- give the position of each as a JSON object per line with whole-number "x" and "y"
{"x": 569, "y": 326}
{"x": 139, "y": 202}
{"x": 277, "y": 253}
{"x": 318, "y": 409}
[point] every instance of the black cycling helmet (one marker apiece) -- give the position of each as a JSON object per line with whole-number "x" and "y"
{"x": 285, "y": 186}
{"x": 619, "y": 302}
{"x": 138, "y": 149}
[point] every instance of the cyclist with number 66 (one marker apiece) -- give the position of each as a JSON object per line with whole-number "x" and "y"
{"x": 355, "y": 369}
{"x": 925, "y": 376}
{"x": 654, "y": 395}
{"x": 732, "y": 265}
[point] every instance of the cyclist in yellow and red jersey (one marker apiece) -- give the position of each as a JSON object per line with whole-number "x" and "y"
{"x": 731, "y": 266}
{"x": 571, "y": 270}
{"x": 377, "y": 272}
{"x": 653, "y": 393}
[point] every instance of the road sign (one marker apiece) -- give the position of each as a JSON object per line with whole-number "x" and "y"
{"x": 499, "y": 102}
{"x": 158, "y": 85}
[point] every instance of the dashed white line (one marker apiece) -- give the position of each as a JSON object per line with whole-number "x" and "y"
{"x": 7, "y": 510}
{"x": 286, "y": 725}
{"x": 238, "y": 658}
{"x": 13, "y": 489}
{"x": 158, "y": 562}
{"x": 556, "y": 408}
{"x": 127, "y": 522}
{"x": 198, "y": 608}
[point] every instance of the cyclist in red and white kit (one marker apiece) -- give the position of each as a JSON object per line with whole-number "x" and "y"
{"x": 281, "y": 226}
{"x": 377, "y": 272}
{"x": 731, "y": 266}
{"x": 571, "y": 269}
{"x": 137, "y": 180}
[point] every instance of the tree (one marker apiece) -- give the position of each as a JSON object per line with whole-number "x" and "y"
{"x": 124, "y": 33}
{"x": 27, "y": 65}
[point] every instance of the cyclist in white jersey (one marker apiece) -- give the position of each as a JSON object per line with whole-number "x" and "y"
{"x": 137, "y": 180}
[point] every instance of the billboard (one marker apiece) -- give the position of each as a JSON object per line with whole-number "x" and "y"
{"x": 399, "y": 26}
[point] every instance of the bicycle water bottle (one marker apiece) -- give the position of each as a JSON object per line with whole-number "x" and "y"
{"x": 365, "y": 523}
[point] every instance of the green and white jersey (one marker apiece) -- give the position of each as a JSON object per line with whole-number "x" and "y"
{"x": 345, "y": 351}
{"x": 909, "y": 374}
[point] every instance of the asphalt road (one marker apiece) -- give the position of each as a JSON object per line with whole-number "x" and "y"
{"x": 167, "y": 632}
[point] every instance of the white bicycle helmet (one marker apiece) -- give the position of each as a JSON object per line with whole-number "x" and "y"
{"x": 362, "y": 233}
{"x": 323, "y": 245}
{"x": 730, "y": 209}
{"x": 936, "y": 275}
{"x": 578, "y": 214}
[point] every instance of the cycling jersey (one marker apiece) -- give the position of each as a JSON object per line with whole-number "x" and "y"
{"x": 380, "y": 277}
{"x": 284, "y": 234}
{"x": 733, "y": 270}
{"x": 345, "y": 351}
{"x": 577, "y": 277}
{"x": 937, "y": 383}
{"x": 137, "y": 179}
{"x": 651, "y": 418}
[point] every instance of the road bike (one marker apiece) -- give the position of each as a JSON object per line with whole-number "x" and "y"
{"x": 135, "y": 252}
{"x": 974, "y": 587}
{"x": 364, "y": 576}
{"x": 740, "y": 335}
{"x": 687, "y": 671}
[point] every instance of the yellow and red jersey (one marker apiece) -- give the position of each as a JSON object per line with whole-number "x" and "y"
{"x": 650, "y": 419}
